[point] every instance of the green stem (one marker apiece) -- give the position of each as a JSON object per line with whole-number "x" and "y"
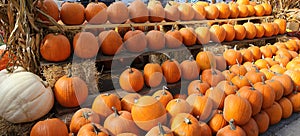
{"x": 161, "y": 129}
{"x": 231, "y": 123}
{"x": 117, "y": 114}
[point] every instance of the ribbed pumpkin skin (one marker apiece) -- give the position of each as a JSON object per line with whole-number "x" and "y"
{"x": 253, "y": 96}
{"x": 135, "y": 41}
{"x": 267, "y": 93}
{"x": 230, "y": 32}
{"x": 177, "y": 106}
{"x": 138, "y": 12}
{"x": 282, "y": 25}
{"x": 81, "y": 117}
{"x": 130, "y": 80}
{"x": 152, "y": 74}
{"x": 179, "y": 126}
{"x": 117, "y": 12}
{"x": 262, "y": 120}
{"x": 95, "y": 13}
{"x": 212, "y": 12}
{"x": 206, "y": 60}
{"x": 250, "y": 30}
{"x": 156, "y": 131}
{"x": 240, "y": 32}
{"x": 189, "y": 36}
{"x": 275, "y": 113}
{"x": 190, "y": 69}
{"x": 110, "y": 42}
{"x": 230, "y": 131}
{"x": 128, "y": 100}
{"x": 156, "y": 11}
{"x": 217, "y": 33}
{"x": 49, "y": 127}
{"x": 234, "y": 10}
{"x": 294, "y": 98}
{"x": 202, "y": 106}
{"x": 155, "y": 40}
{"x": 217, "y": 122}
{"x": 174, "y": 39}
{"x": 50, "y": 8}
{"x": 251, "y": 128}
{"x": 85, "y": 45}
{"x": 67, "y": 12}
{"x": 224, "y": 10}
{"x": 171, "y": 71}
{"x": 286, "y": 106}
{"x": 186, "y": 11}
{"x": 89, "y": 130}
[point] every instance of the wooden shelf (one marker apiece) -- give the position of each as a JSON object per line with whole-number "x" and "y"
{"x": 109, "y": 25}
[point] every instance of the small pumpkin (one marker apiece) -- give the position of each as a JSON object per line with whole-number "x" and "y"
{"x": 220, "y": 62}
{"x": 277, "y": 87}
{"x": 205, "y": 129}
{"x": 275, "y": 113}
{"x": 251, "y": 31}
{"x": 224, "y": 10}
{"x": 174, "y": 38}
{"x": 294, "y": 98}
{"x": 251, "y": 128}
{"x": 160, "y": 130}
{"x": 282, "y": 25}
{"x": 212, "y": 12}
{"x": 234, "y": 10}
{"x": 130, "y": 80}
{"x": 188, "y": 35}
{"x": 294, "y": 76}
{"x": 286, "y": 106}
{"x": 49, "y": 127}
{"x": 247, "y": 55}
{"x": 232, "y": 56}
{"x": 185, "y": 124}
{"x": 50, "y": 8}
{"x": 217, "y": 33}
{"x": 240, "y": 81}
{"x": 155, "y": 40}
{"x": 197, "y": 87}
{"x": 85, "y": 45}
{"x": 217, "y": 95}
{"x": 202, "y": 106}
{"x": 186, "y": 12}
{"x": 269, "y": 29}
{"x": 117, "y": 12}
{"x": 217, "y": 122}
{"x": 203, "y": 35}
{"x": 103, "y": 102}
{"x": 255, "y": 51}
{"x": 254, "y": 97}
{"x": 276, "y": 28}
{"x": 230, "y": 32}
{"x": 171, "y": 70}
{"x": 240, "y": 32}
{"x": 260, "y": 30}
{"x": 278, "y": 69}
{"x": 263, "y": 121}
{"x": 156, "y": 11}
{"x": 95, "y": 13}
{"x": 171, "y": 12}
{"x": 268, "y": 73}
{"x": 93, "y": 129}
{"x": 286, "y": 81}
{"x": 212, "y": 76}
{"x": 153, "y": 74}
{"x": 231, "y": 130}
{"x": 135, "y": 40}
{"x": 238, "y": 69}
{"x": 255, "y": 76}
{"x": 206, "y": 60}
{"x": 228, "y": 75}
{"x": 128, "y": 100}
{"x": 190, "y": 69}
{"x": 243, "y": 11}
{"x": 67, "y": 12}
{"x": 81, "y": 117}
{"x": 177, "y": 106}
{"x": 259, "y": 10}
{"x": 163, "y": 96}
{"x": 228, "y": 87}
{"x": 138, "y": 12}
{"x": 243, "y": 2}
{"x": 267, "y": 93}
{"x": 268, "y": 8}
{"x": 200, "y": 12}
{"x": 251, "y": 10}
{"x": 110, "y": 42}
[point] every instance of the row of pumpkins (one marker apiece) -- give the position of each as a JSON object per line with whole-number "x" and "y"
{"x": 139, "y": 12}
{"x": 260, "y": 88}
{"x": 57, "y": 47}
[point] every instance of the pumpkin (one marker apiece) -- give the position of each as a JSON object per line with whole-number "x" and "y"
{"x": 202, "y": 3}
{"x": 286, "y": 106}
{"x": 228, "y": 75}
{"x": 177, "y": 106}
{"x": 224, "y": 10}
{"x": 287, "y": 83}
{"x": 5, "y": 58}
{"x": 49, "y": 127}
{"x": 203, "y": 35}
{"x": 190, "y": 69}
{"x": 230, "y": 32}
{"x": 212, "y": 12}
{"x": 251, "y": 10}
{"x": 217, "y": 95}
{"x": 232, "y": 56}
{"x": 228, "y": 87}
{"x": 135, "y": 41}
{"x": 271, "y": 61}
{"x": 260, "y": 30}
{"x": 262, "y": 63}
{"x": 282, "y": 25}
{"x": 282, "y": 59}
{"x": 268, "y": 8}
{"x": 280, "y": 45}
{"x": 240, "y": 81}
{"x": 268, "y": 73}
{"x": 93, "y": 129}
{"x": 205, "y": 129}
{"x": 171, "y": 12}
{"x": 238, "y": 69}
{"x": 67, "y": 12}
{"x": 138, "y": 12}
{"x": 212, "y": 76}
{"x": 186, "y": 12}
{"x": 217, "y": 122}
{"x": 217, "y": 33}
{"x": 120, "y": 122}
{"x": 81, "y": 117}
{"x": 247, "y": 55}
{"x": 237, "y": 108}
{"x": 267, "y": 93}
{"x": 155, "y": 40}
{"x": 251, "y": 128}
{"x": 277, "y": 87}
{"x": 156, "y": 11}
{"x": 202, "y": 106}
{"x": 126, "y": 134}
{"x": 276, "y": 28}
{"x": 294, "y": 76}
{"x": 185, "y": 124}
{"x": 147, "y": 112}
{"x": 95, "y": 13}
{"x": 128, "y": 100}
{"x": 117, "y": 12}
{"x": 85, "y": 45}
{"x": 171, "y": 70}
{"x": 153, "y": 74}
{"x": 188, "y": 35}
{"x": 243, "y": 2}
{"x": 243, "y": 11}
{"x": 240, "y": 32}
{"x": 25, "y": 96}
{"x": 55, "y": 47}
{"x": 160, "y": 130}
{"x": 231, "y": 130}
{"x": 250, "y": 66}
{"x": 163, "y": 96}
{"x": 250, "y": 30}
{"x": 206, "y": 60}
{"x": 102, "y": 105}
{"x": 254, "y": 97}
{"x": 110, "y": 42}
{"x": 275, "y": 113}
{"x": 259, "y": 10}
{"x": 269, "y": 29}
{"x": 174, "y": 39}
{"x": 292, "y": 45}
{"x": 266, "y": 51}
{"x": 255, "y": 51}
{"x": 200, "y": 13}
{"x": 234, "y": 10}
{"x": 197, "y": 87}
{"x": 294, "y": 98}
{"x": 50, "y": 8}
{"x": 278, "y": 69}
{"x": 255, "y": 76}
{"x": 130, "y": 80}
{"x": 263, "y": 121}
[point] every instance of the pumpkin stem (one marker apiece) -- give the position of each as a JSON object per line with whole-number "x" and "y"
{"x": 69, "y": 72}
{"x": 96, "y": 129}
{"x": 132, "y": 28}
{"x": 231, "y": 123}
{"x": 235, "y": 47}
{"x": 161, "y": 129}
{"x": 251, "y": 45}
{"x": 164, "y": 90}
{"x": 46, "y": 84}
{"x": 187, "y": 121}
{"x": 237, "y": 62}
{"x": 230, "y": 83}
{"x": 130, "y": 69}
{"x": 155, "y": 27}
{"x": 86, "y": 115}
{"x": 191, "y": 58}
{"x": 200, "y": 93}
{"x": 177, "y": 100}
{"x": 135, "y": 100}
{"x": 117, "y": 114}
{"x": 263, "y": 80}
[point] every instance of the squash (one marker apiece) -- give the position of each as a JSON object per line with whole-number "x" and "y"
{"x": 243, "y": 2}
{"x": 50, "y": 8}
{"x": 85, "y": 45}
{"x": 277, "y": 87}
{"x": 202, "y": 106}
{"x": 155, "y": 40}
{"x": 156, "y": 11}
{"x": 269, "y": 29}
{"x": 67, "y": 12}
{"x": 251, "y": 10}
{"x": 230, "y": 32}
{"x": 177, "y": 106}
{"x": 287, "y": 83}
{"x": 138, "y": 12}
{"x": 268, "y": 8}
{"x": 228, "y": 87}
{"x": 49, "y": 127}
{"x": 243, "y": 11}
{"x": 117, "y": 12}
{"x": 160, "y": 130}
{"x": 130, "y": 80}
{"x": 153, "y": 74}
{"x": 232, "y": 56}
{"x": 234, "y": 10}
{"x": 197, "y": 87}
{"x": 203, "y": 35}
{"x": 259, "y": 10}
{"x": 171, "y": 12}
{"x": 135, "y": 41}
{"x": 190, "y": 69}
{"x": 247, "y": 55}
{"x": 231, "y": 130}
{"x": 185, "y": 124}
{"x": 212, "y": 12}
{"x": 25, "y": 97}
{"x": 55, "y": 47}
{"x": 81, "y": 117}
{"x": 240, "y": 81}
{"x": 238, "y": 69}
{"x": 282, "y": 25}
{"x": 276, "y": 28}
{"x": 240, "y": 32}
{"x": 171, "y": 70}
{"x": 147, "y": 112}
{"x": 174, "y": 39}
{"x": 102, "y": 105}
{"x": 186, "y": 12}
{"x": 224, "y": 10}
{"x": 95, "y": 13}
{"x": 260, "y": 30}
{"x": 206, "y": 60}
{"x": 93, "y": 129}
{"x": 217, "y": 33}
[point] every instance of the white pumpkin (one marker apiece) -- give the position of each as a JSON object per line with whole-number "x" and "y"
{"x": 24, "y": 96}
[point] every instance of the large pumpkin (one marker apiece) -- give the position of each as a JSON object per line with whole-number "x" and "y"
{"x": 190, "y": 69}
{"x": 217, "y": 33}
{"x": 156, "y": 11}
{"x": 67, "y": 12}
{"x": 131, "y": 80}
{"x": 185, "y": 124}
{"x": 110, "y": 42}
{"x": 81, "y": 117}
{"x": 203, "y": 35}
{"x": 135, "y": 41}
{"x": 254, "y": 97}
{"x": 138, "y": 12}
{"x": 50, "y": 8}
{"x": 212, "y": 12}
{"x": 186, "y": 11}
{"x": 153, "y": 74}
{"x": 275, "y": 113}
{"x": 147, "y": 112}
{"x": 171, "y": 70}
{"x": 49, "y": 127}
{"x": 85, "y": 45}
{"x": 230, "y": 32}
{"x": 55, "y": 47}
{"x": 237, "y": 108}
{"x": 25, "y": 97}
{"x": 103, "y": 104}
{"x": 95, "y": 13}
{"x": 70, "y": 91}
{"x": 117, "y": 12}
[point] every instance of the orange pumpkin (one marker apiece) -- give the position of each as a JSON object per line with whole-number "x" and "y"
{"x": 268, "y": 73}
{"x": 266, "y": 51}
{"x": 186, "y": 11}
{"x": 231, "y": 130}
{"x": 212, "y": 12}
{"x": 200, "y": 12}
{"x": 171, "y": 71}
{"x": 54, "y": 126}
{"x": 243, "y": 11}
{"x": 228, "y": 75}
{"x": 198, "y": 87}
{"x": 202, "y": 106}
{"x": 228, "y": 87}
{"x": 135, "y": 41}
{"x": 55, "y": 48}
{"x": 160, "y": 130}
{"x": 217, "y": 95}
{"x": 260, "y": 30}
{"x": 286, "y": 81}
{"x": 171, "y": 12}
{"x": 174, "y": 39}
{"x": 156, "y": 11}
{"x": 276, "y": 28}
{"x": 275, "y": 113}
{"x": 269, "y": 29}
{"x": 230, "y": 32}
{"x": 189, "y": 36}
{"x": 220, "y": 63}
{"x": 277, "y": 87}
{"x": 177, "y": 106}
{"x": 110, "y": 42}
{"x": 243, "y": 2}
{"x": 163, "y": 96}
{"x": 212, "y": 76}
{"x": 268, "y": 8}
{"x": 217, "y": 122}
{"x": 138, "y": 12}
{"x": 282, "y": 25}
{"x": 186, "y": 124}
{"x": 95, "y": 13}
{"x": 50, "y": 8}
{"x": 206, "y": 60}
{"x": 240, "y": 32}
{"x": 234, "y": 10}
{"x": 67, "y": 12}
{"x": 255, "y": 51}
{"x": 217, "y": 33}
{"x": 232, "y": 56}
{"x": 224, "y": 10}
{"x": 5, "y": 58}
{"x": 254, "y": 97}
{"x": 85, "y": 45}
{"x": 190, "y": 69}
{"x": 267, "y": 93}
{"x": 153, "y": 74}
{"x": 238, "y": 69}
{"x": 156, "y": 112}
{"x": 128, "y": 100}
{"x": 294, "y": 76}
{"x": 81, "y": 117}
{"x": 130, "y": 80}
{"x": 251, "y": 31}
{"x": 240, "y": 81}
{"x": 203, "y": 35}
{"x": 286, "y": 106}
{"x": 155, "y": 40}
{"x": 251, "y": 128}
{"x": 278, "y": 69}
{"x": 259, "y": 10}
{"x": 247, "y": 55}
{"x": 263, "y": 121}
{"x": 117, "y": 12}
{"x": 93, "y": 129}
{"x": 294, "y": 98}
{"x": 251, "y": 10}
{"x": 205, "y": 129}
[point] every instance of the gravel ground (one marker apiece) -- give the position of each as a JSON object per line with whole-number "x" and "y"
{"x": 286, "y": 127}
